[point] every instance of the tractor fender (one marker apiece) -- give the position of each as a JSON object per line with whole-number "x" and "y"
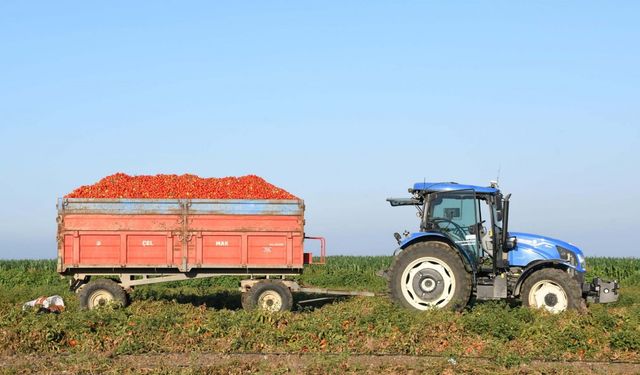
{"x": 435, "y": 236}
{"x": 540, "y": 264}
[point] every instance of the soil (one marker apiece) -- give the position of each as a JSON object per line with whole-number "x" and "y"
{"x": 216, "y": 363}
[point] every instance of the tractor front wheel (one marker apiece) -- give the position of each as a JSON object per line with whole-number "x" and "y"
{"x": 551, "y": 289}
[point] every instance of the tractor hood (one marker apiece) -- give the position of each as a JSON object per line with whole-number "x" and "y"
{"x": 531, "y": 247}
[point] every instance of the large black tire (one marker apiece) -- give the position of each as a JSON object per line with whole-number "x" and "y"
{"x": 244, "y": 300}
{"x": 544, "y": 289}
{"x": 268, "y": 295}
{"x": 100, "y": 292}
{"x": 440, "y": 279}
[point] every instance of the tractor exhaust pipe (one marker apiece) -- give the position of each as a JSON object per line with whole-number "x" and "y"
{"x": 505, "y": 222}
{"x": 501, "y": 259}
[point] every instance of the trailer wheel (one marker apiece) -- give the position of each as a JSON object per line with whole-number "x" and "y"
{"x": 429, "y": 275}
{"x": 244, "y": 300}
{"x": 552, "y": 289}
{"x": 101, "y": 292}
{"x": 269, "y": 296}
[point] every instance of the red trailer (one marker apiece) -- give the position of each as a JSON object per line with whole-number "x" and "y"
{"x": 143, "y": 241}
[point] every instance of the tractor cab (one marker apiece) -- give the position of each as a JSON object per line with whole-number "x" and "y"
{"x": 472, "y": 217}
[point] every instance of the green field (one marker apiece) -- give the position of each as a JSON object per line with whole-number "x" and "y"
{"x": 203, "y": 317}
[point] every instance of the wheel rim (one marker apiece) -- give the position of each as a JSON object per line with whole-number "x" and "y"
{"x": 100, "y": 298}
{"x": 549, "y": 295}
{"x": 428, "y": 283}
{"x": 270, "y": 300}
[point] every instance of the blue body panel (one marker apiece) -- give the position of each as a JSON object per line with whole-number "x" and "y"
{"x": 174, "y": 206}
{"x": 531, "y": 247}
{"x": 451, "y": 186}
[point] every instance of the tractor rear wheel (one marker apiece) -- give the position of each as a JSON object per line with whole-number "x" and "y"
{"x": 429, "y": 275}
{"x": 552, "y": 289}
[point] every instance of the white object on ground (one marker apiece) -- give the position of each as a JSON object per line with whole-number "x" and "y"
{"x": 53, "y": 303}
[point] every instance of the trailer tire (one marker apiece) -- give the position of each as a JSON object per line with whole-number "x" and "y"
{"x": 100, "y": 292}
{"x": 552, "y": 289}
{"x": 244, "y": 300}
{"x": 268, "y": 295}
{"x": 434, "y": 270}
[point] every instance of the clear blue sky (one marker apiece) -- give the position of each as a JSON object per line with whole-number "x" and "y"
{"x": 342, "y": 103}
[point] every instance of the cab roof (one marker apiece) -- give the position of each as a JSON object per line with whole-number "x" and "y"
{"x": 434, "y": 187}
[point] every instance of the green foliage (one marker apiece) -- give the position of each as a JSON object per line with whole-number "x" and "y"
{"x": 626, "y": 339}
{"x": 498, "y": 320}
{"x": 348, "y": 272}
{"x": 625, "y": 270}
{"x": 343, "y": 272}
{"x": 204, "y": 315}
{"x": 28, "y": 265}
{"x": 28, "y": 272}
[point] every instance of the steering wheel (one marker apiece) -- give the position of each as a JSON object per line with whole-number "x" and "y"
{"x": 457, "y": 230}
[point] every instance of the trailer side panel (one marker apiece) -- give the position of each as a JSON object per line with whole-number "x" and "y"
{"x": 180, "y": 234}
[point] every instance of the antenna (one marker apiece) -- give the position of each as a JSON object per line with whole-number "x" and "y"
{"x": 495, "y": 184}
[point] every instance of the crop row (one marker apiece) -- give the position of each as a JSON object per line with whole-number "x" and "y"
{"x": 354, "y": 272}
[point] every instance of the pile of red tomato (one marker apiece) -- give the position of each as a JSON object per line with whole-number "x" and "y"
{"x": 171, "y": 186}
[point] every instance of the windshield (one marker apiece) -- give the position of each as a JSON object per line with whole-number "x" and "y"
{"x": 454, "y": 213}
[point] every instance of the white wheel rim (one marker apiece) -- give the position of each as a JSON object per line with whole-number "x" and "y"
{"x": 427, "y": 297}
{"x": 548, "y": 295}
{"x": 270, "y": 301}
{"x": 99, "y": 298}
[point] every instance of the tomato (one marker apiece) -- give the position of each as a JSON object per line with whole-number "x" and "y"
{"x": 171, "y": 186}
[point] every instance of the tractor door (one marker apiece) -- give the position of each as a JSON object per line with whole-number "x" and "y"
{"x": 454, "y": 213}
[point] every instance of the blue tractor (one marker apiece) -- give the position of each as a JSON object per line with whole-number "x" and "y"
{"x": 464, "y": 251}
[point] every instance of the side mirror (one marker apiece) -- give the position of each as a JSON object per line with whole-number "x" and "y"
{"x": 397, "y": 236}
{"x": 511, "y": 243}
{"x": 499, "y": 216}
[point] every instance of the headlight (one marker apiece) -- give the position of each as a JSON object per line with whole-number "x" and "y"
{"x": 568, "y": 255}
